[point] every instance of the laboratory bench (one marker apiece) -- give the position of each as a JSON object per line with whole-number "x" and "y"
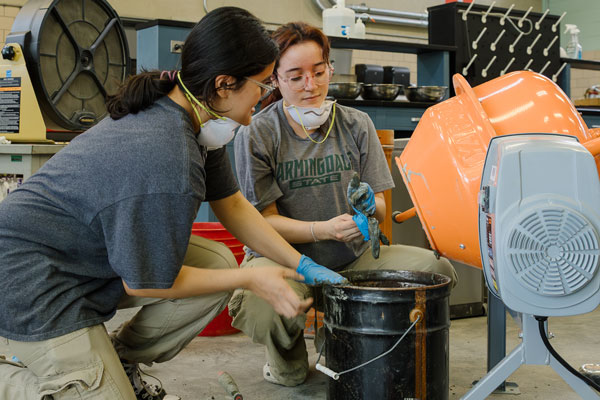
{"x": 402, "y": 116}
{"x": 24, "y": 159}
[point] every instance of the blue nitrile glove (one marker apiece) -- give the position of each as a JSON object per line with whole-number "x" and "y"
{"x": 361, "y": 196}
{"x": 362, "y": 222}
{"x": 315, "y": 274}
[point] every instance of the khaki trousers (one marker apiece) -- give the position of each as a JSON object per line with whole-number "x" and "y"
{"x": 85, "y": 364}
{"x": 283, "y": 337}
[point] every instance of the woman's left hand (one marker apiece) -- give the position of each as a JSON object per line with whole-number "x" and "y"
{"x": 341, "y": 228}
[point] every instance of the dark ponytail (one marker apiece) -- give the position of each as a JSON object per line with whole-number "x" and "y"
{"x": 226, "y": 41}
{"x": 138, "y": 93}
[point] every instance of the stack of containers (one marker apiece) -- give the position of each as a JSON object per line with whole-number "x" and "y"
{"x": 221, "y": 324}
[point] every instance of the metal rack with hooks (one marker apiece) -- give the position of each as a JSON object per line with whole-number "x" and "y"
{"x": 491, "y": 41}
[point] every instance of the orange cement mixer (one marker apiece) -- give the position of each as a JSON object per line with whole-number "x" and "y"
{"x": 443, "y": 161}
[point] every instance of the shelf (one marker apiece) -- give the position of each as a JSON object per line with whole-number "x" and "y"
{"x": 564, "y": 79}
{"x": 383, "y": 103}
{"x": 582, "y": 64}
{"x": 385, "y": 45}
{"x": 164, "y": 22}
{"x": 23, "y": 148}
{"x": 433, "y": 63}
{"x": 586, "y": 110}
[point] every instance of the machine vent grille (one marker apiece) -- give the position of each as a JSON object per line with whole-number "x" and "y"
{"x": 553, "y": 252}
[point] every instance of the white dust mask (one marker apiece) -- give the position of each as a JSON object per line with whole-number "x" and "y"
{"x": 310, "y": 117}
{"x": 214, "y": 133}
{"x": 217, "y": 132}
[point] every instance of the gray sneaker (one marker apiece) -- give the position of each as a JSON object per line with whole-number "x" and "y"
{"x": 268, "y": 376}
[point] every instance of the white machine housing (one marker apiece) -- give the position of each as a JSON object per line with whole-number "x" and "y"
{"x": 539, "y": 224}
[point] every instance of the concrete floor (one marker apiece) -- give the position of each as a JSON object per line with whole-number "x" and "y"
{"x": 193, "y": 373}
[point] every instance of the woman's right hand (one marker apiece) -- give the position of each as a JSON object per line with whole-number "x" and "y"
{"x": 341, "y": 228}
{"x": 269, "y": 284}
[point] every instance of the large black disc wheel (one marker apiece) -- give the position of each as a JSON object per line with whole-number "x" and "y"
{"x": 76, "y": 53}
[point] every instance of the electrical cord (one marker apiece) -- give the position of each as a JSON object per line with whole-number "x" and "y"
{"x": 542, "y": 329}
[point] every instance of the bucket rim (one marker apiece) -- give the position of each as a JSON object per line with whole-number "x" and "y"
{"x": 374, "y": 273}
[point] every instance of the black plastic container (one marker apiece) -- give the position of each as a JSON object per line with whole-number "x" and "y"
{"x": 368, "y": 73}
{"x": 366, "y": 318}
{"x": 397, "y": 75}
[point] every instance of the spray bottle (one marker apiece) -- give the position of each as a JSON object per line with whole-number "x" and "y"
{"x": 338, "y": 20}
{"x": 573, "y": 47}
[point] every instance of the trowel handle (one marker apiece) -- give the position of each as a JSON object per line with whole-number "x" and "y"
{"x": 330, "y": 373}
{"x": 593, "y": 145}
{"x": 400, "y": 217}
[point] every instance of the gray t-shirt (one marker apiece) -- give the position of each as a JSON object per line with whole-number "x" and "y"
{"x": 117, "y": 203}
{"x": 308, "y": 181}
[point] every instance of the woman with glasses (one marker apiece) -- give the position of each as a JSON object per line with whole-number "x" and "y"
{"x": 294, "y": 163}
{"x": 106, "y": 224}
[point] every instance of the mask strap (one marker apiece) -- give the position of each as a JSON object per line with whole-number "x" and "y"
{"x": 195, "y": 110}
{"x": 191, "y": 97}
{"x": 304, "y": 129}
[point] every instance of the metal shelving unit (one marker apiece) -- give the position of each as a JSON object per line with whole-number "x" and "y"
{"x": 433, "y": 66}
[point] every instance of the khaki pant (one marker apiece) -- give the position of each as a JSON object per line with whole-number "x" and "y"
{"x": 85, "y": 364}
{"x": 284, "y": 338}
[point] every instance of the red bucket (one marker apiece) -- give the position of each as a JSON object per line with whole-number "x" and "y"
{"x": 212, "y": 230}
{"x": 221, "y": 324}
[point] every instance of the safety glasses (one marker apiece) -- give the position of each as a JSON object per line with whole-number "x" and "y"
{"x": 266, "y": 90}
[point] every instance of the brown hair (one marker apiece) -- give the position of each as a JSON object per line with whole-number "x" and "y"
{"x": 294, "y": 33}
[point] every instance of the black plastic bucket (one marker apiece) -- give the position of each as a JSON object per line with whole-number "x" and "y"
{"x": 367, "y": 318}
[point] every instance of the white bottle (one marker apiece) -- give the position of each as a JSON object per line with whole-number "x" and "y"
{"x": 574, "y": 49}
{"x": 359, "y": 29}
{"x": 338, "y": 20}
{"x": 5, "y": 187}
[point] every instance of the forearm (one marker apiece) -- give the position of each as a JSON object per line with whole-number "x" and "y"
{"x": 197, "y": 281}
{"x": 243, "y": 221}
{"x": 380, "y": 207}
{"x": 293, "y": 230}
{"x": 269, "y": 283}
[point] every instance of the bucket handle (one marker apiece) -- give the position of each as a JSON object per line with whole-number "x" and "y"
{"x": 400, "y": 217}
{"x": 336, "y": 375}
